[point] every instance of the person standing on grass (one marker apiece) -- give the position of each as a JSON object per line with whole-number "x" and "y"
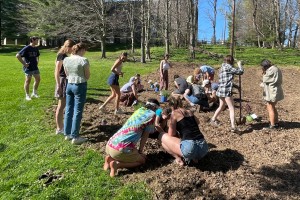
{"x": 29, "y": 57}
{"x": 122, "y": 149}
{"x": 224, "y": 92}
{"x": 272, "y": 81}
{"x": 77, "y": 69}
{"x": 61, "y": 84}
{"x": 184, "y": 140}
{"x": 164, "y": 66}
{"x": 113, "y": 81}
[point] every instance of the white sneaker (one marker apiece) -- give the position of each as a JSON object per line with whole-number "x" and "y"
{"x": 35, "y": 95}
{"x": 79, "y": 140}
{"x": 68, "y": 137}
{"x": 58, "y": 132}
{"x": 119, "y": 111}
{"x": 28, "y": 98}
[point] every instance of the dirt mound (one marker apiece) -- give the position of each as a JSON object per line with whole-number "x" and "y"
{"x": 252, "y": 165}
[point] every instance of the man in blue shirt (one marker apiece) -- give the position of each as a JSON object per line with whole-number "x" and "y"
{"x": 29, "y": 57}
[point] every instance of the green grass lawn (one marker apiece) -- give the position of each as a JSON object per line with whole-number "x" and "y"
{"x": 29, "y": 146}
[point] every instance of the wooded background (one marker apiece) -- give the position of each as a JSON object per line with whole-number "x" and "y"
{"x": 145, "y": 23}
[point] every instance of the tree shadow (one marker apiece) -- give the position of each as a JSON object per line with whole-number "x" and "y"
{"x": 101, "y": 133}
{"x": 93, "y": 100}
{"x": 99, "y": 89}
{"x": 98, "y": 94}
{"x": 286, "y": 125}
{"x": 220, "y": 160}
{"x": 284, "y": 179}
{"x": 3, "y": 147}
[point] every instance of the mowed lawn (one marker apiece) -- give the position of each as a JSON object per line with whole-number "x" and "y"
{"x": 29, "y": 146}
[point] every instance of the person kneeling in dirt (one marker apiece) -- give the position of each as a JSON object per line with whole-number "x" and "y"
{"x": 272, "y": 81}
{"x": 195, "y": 94}
{"x": 210, "y": 91}
{"x": 121, "y": 147}
{"x": 129, "y": 94}
{"x": 161, "y": 121}
{"x": 181, "y": 85}
{"x": 189, "y": 143}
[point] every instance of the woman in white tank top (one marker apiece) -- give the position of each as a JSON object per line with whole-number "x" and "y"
{"x": 165, "y": 65}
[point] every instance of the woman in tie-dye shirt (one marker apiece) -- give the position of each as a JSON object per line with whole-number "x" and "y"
{"x": 121, "y": 147}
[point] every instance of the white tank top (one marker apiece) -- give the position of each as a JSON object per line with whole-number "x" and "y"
{"x": 166, "y": 66}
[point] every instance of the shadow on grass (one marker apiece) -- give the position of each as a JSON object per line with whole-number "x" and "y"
{"x": 220, "y": 161}
{"x": 284, "y": 180}
{"x": 93, "y": 100}
{"x": 2, "y": 147}
{"x": 99, "y": 89}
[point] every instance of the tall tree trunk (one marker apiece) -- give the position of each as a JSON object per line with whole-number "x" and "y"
{"x": 103, "y": 29}
{"x": 143, "y": 57}
{"x": 277, "y": 23}
{"x": 148, "y": 31}
{"x": 214, "y": 21}
{"x": 177, "y": 32}
{"x": 295, "y": 36}
{"x": 193, "y": 5}
{"x": 232, "y": 29}
{"x": 167, "y": 26}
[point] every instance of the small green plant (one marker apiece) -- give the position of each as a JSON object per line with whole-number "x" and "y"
{"x": 165, "y": 93}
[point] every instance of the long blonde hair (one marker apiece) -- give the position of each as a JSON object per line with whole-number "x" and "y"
{"x": 65, "y": 48}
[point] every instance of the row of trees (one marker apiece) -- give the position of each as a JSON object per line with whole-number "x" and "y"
{"x": 150, "y": 22}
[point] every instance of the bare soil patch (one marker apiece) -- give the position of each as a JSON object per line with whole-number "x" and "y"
{"x": 252, "y": 165}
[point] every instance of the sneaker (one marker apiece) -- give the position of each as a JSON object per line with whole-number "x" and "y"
{"x": 79, "y": 140}
{"x": 276, "y": 127}
{"x": 235, "y": 130}
{"x": 28, "y": 98}
{"x": 119, "y": 111}
{"x": 214, "y": 122}
{"x": 58, "y": 132}
{"x": 35, "y": 95}
{"x": 68, "y": 137}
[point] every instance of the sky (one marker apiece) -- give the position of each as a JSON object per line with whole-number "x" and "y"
{"x": 205, "y": 30}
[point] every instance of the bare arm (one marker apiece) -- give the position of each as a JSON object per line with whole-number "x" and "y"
{"x": 157, "y": 125}
{"x": 87, "y": 72}
{"x": 161, "y": 68}
{"x": 134, "y": 91}
{"x": 144, "y": 138}
{"x": 172, "y": 127}
{"x": 116, "y": 64}
{"x": 22, "y": 61}
{"x": 58, "y": 65}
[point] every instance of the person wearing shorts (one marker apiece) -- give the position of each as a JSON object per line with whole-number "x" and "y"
{"x": 61, "y": 84}
{"x": 113, "y": 82}
{"x": 29, "y": 57}
{"x": 122, "y": 149}
{"x": 184, "y": 140}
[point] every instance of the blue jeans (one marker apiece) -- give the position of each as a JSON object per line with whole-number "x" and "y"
{"x": 193, "y": 149}
{"x": 75, "y": 100}
{"x": 195, "y": 100}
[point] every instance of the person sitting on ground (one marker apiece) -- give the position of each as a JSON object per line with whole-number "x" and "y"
{"x": 189, "y": 143}
{"x": 161, "y": 121}
{"x": 195, "y": 94}
{"x": 181, "y": 85}
{"x": 272, "y": 81}
{"x": 129, "y": 92}
{"x": 207, "y": 72}
{"x": 210, "y": 91}
{"x": 122, "y": 149}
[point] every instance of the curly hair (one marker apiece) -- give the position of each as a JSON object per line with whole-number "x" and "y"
{"x": 175, "y": 102}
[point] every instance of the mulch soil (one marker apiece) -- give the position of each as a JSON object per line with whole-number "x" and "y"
{"x": 255, "y": 164}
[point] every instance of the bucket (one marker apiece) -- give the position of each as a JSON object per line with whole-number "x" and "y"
{"x": 163, "y": 99}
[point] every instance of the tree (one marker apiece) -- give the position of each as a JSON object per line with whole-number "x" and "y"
{"x": 213, "y": 18}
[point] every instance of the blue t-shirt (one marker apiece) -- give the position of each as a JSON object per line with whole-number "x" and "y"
{"x": 206, "y": 68}
{"x": 30, "y": 55}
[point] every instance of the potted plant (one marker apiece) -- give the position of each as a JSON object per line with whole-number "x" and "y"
{"x": 156, "y": 87}
{"x": 164, "y": 96}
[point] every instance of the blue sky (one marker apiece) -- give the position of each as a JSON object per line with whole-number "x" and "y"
{"x": 205, "y": 30}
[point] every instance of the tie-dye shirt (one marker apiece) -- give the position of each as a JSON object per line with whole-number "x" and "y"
{"x": 128, "y": 136}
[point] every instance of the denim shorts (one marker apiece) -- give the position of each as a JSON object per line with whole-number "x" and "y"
{"x": 30, "y": 73}
{"x": 193, "y": 149}
{"x": 113, "y": 79}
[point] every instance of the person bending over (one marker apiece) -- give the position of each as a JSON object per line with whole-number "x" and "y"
{"x": 189, "y": 144}
{"x": 122, "y": 149}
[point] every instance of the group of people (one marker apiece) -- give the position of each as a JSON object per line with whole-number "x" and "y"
{"x": 176, "y": 127}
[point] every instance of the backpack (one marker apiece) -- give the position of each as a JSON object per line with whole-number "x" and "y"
{"x": 198, "y": 91}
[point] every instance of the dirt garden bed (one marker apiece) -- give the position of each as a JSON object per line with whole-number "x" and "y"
{"x": 252, "y": 165}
